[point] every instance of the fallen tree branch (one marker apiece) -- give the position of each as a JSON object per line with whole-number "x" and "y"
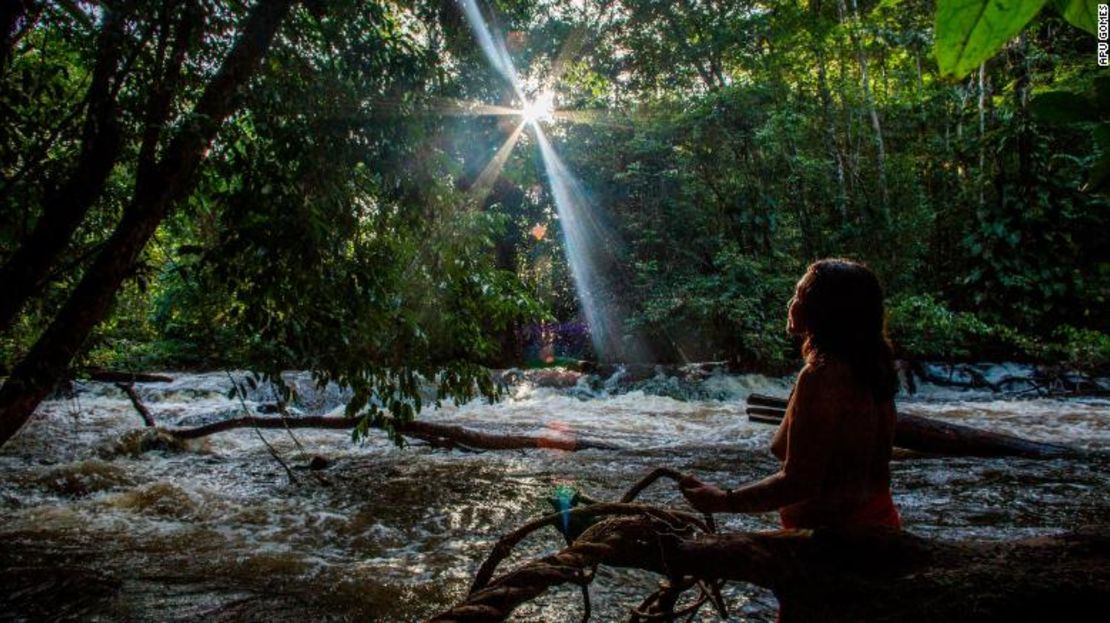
{"x": 111, "y": 376}
{"x": 422, "y": 430}
{"x": 922, "y": 434}
{"x": 824, "y": 575}
{"x": 577, "y": 563}
{"x": 137, "y": 402}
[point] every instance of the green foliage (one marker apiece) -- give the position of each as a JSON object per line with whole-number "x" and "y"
{"x": 969, "y": 32}
{"x": 1081, "y": 348}
{"x": 921, "y": 327}
{"x": 1090, "y": 108}
{"x": 725, "y": 144}
{"x": 1081, "y": 13}
{"x": 325, "y": 231}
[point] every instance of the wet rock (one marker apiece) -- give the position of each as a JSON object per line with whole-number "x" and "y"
{"x": 318, "y": 462}
{"x": 558, "y": 378}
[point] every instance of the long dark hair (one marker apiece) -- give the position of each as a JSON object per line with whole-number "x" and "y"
{"x": 840, "y": 312}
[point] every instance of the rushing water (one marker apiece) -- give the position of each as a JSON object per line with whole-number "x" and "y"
{"x": 219, "y": 531}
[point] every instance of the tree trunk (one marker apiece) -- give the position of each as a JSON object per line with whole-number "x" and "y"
{"x": 64, "y": 208}
{"x": 11, "y": 11}
{"x": 830, "y": 119}
{"x": 982, "y": 181}
{"x": 33, "y": 378}
{"x": 872, "y": 110}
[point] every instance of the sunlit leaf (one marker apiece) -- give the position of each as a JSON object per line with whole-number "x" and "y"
{"x": 969, "y": 32}
{"x": 1079, "y": 13}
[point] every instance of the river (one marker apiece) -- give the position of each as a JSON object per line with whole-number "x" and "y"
{"x": 219, "y": 531}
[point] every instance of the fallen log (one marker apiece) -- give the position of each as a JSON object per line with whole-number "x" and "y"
{"x": 441, "y": 434}
{"x": 816, "y": 575}
{"x": 137, "y": 402}
{"x": 831, "y": 576}
{"x": 111, "y": 376}
{"x": 922, "y": 434}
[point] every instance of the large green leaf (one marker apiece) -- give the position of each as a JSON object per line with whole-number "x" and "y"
{"x": 1080, "y": 13}
{"x": 969, "y": 32}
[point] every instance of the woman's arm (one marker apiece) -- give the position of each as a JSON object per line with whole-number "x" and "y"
{"x": 809, "y": 444}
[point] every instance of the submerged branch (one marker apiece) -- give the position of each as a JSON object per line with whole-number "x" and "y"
{"x": 817, "y": 575}
{"x": 421, "y": 430}
{"x": 922, "y": 434}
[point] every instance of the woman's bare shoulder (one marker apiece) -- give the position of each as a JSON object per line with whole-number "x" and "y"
{"x": 825, "y": 370}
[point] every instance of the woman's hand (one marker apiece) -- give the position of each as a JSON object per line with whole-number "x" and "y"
{"x": 704, "y": 497}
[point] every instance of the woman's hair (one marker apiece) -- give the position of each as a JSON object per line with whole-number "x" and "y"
{"x": 840, "y": 313}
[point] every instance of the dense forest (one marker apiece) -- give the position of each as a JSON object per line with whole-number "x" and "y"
{"x": 351, "y": 187}
{"x": 551, "y": 249}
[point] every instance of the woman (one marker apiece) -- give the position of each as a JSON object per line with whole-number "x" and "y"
{"x": 835, "y": 441}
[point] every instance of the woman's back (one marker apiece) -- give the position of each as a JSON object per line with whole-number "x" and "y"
{"x": 842, "y": 436}
{"x": 835, "y": 441}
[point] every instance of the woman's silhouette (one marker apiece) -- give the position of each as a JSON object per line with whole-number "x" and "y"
{"x": 835, "y": 441}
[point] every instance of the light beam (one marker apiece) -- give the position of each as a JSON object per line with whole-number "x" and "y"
{"x": 542, "y": 108}
{"x": 484, "y": 184}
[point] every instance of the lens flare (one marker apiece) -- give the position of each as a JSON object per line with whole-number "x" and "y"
{"x": 542, "y": 108}
{"x": 564, "y": 495}
{"x": 588, "y": 244}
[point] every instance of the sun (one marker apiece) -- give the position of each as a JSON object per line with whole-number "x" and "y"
{"x": 541, "y": 108}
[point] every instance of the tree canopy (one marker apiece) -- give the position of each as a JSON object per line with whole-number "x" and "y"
{"x": 309, "y": 184}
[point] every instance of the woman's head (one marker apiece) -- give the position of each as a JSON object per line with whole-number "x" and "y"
{"x": 838, "y": 309}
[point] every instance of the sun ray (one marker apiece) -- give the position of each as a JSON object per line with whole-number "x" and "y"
{"x": 468, "y": 108}
{"x": 588, "y": 245}
{"x": 541, "y": 108}
{"x": 571, "y": 47}
{"x": 481, "y": 187}
{"x": 586, "y": 241}
{"x": 592, "y": 117}
{"x": 493, "y": 46}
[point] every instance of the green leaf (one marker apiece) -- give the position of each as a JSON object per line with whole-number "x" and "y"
{"x": 1079, "y": 13}
{"x": 969, "y": 32}
{"x": 1062, "y": 107}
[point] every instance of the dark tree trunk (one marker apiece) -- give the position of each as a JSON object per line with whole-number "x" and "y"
{"x": 11, "y": 12}
{"x": 172, "y": 178}
{"x": 27, "y": 269}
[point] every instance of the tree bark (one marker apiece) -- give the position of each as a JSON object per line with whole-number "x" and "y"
{"x": 154, "y": 195}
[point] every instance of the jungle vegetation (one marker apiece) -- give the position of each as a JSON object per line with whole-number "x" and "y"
{"x": 275, "y": 185}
